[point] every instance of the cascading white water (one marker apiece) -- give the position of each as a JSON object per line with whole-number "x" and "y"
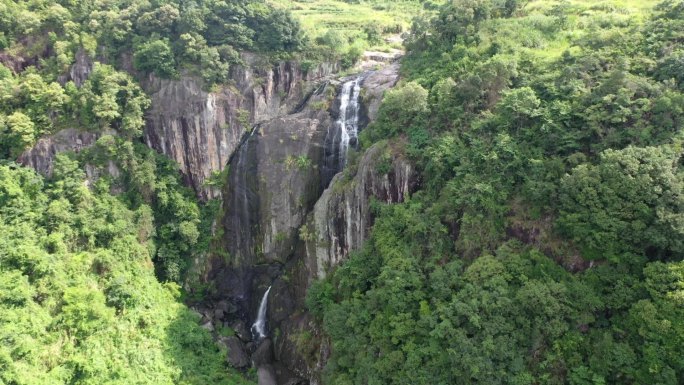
{"x": 259, "y": 327}
{"x": 348, "y": 121}
{"x": 344, "y": 132}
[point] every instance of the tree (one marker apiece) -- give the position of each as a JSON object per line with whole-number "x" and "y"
{"x": 632, "y": 200}
{"x": 403, "y": 105}
{"x": 155, "y": 56}
{"x": 17, "y": 133}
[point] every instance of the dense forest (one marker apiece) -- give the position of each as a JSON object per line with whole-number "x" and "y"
{"x": 81, "y": 301}
{"x": 544, "y": 245}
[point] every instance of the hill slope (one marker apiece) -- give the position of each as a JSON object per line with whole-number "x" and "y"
{"x": 546, "y": 243}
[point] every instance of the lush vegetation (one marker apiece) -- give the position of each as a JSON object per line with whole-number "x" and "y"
{"x": 90, "y": 266}
{"x": 161, "y": 37}
{"x": 79, "y": 301}
{"x": 108, "y": 101}
{"x": 546, "y": 243}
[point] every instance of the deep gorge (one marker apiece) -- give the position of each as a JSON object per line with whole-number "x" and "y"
{"x": 332, "y": 192}
{"x": 284, "y": 140}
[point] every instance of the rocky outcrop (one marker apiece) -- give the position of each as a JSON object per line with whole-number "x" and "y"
{"x": 342, "y": 217}
{"x": 201, "y": 130}
{"x": 80, "y": 70}
{"x": 284, "y": 223}
{"x": 237, "y": 357}
{"x": 375, "y": 86}
{"x": 42, "y": 155}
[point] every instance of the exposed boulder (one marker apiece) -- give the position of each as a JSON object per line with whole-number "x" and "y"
{"x": 41, "y": 156}
{"x": 237, "y": 356}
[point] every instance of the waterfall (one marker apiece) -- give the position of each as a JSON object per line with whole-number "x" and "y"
{"x": 259, "y": 327}
{"x": 344, "y": 133}
{"x": 241, "y": 198}
{"x": 349, "y": 117}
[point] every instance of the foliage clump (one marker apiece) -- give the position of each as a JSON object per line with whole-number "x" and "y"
{"x": 79, "y": 301}
{"x": 164, "y": 38}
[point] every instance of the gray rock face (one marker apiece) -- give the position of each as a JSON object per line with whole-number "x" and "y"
{"x": 282, "y": 230}
{"x": 272, "y": 185}
{"x": 42, "y": 155}
{"x": 342, "y": 219}
{"x": 266, "y": 375}
{"x": 375, "y": 86}
{"x": 201, "y": 130}
{"x": 197, "y": 129}
{"x": 237, "y": 356}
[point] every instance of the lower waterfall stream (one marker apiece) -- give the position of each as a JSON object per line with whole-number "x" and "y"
{"x": 259, "y": 327}
{"x": 260, "y": 241}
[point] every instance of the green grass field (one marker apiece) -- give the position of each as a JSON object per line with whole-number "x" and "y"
{"x": 533, "y": 32}
{"x": 319, "y": 16}
{"x": 394, "y": 17}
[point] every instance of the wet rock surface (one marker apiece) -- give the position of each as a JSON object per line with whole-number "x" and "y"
{"x": 263, "y": 354}
{"x": 266, "y": 375}
{"x": 201, "y": 130}
{"x": 237, "y": 356}
{"x": 284, "y": 225}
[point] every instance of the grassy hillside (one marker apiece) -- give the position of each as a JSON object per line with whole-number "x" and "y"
{"x": 343, "y": 30}
{"x": 544, "y": 30}
{"x": 381, "y": 16}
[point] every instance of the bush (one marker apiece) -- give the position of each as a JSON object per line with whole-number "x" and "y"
{"x": 155, "y": 56}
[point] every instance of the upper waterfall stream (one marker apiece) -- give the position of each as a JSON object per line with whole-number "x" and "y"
{"x": 344, "y": 133}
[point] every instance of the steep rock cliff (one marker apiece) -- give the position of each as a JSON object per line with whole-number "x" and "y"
{"x": 273, "y": 183}
{"x": 341, "y": 218}
{"x": 282, "y": 228}
{"x": 201, "y": 130}
{"x": 338, "y": 224}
